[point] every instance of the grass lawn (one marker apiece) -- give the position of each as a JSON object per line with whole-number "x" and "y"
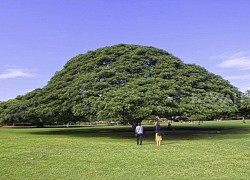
{"x": 212, "y": 150}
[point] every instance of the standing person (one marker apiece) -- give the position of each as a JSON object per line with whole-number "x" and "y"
{"x": 139, "y": 133}
{"x": 158, "y": 133}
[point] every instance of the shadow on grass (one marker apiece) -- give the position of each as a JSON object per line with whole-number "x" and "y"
{"x": 125, "y": 132}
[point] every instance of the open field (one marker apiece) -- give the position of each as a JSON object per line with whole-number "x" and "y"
{"x": 212, "y": 150}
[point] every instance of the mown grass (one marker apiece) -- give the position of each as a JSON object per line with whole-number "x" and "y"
{"x": 212, "y": 150}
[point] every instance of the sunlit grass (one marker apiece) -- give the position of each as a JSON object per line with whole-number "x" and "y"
{"x": 212, "y": 150}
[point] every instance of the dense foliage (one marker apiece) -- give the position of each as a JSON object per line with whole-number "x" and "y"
{"x": 127, "y": 83}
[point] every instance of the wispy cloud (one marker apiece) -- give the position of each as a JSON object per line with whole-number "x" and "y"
{"x": 15, "y": 73}
{"x": 240, "y": 81}
{"x": 244, "y": 87}
{"x": 239, "y": 77}
{"x": 239, "y": 60}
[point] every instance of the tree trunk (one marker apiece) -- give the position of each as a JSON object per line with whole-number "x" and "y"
{"x": 134, "y": 123}
{"x": 39, "y": 124}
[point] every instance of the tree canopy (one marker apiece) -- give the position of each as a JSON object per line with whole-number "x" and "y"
{"x": 127, "y": 83}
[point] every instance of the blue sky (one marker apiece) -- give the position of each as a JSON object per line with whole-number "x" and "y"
{"x": 37, "y": 37}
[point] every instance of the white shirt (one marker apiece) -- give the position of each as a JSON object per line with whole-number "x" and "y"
{"x": 139, "y": 130}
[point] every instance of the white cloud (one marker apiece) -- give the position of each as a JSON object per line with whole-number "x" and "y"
{"x": 239, "y": 60}
{"x": 239, "y": 77}
{"x": 244, "y": 88}
{"x": 16, "y": 72}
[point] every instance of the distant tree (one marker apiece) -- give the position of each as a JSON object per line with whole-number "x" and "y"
{"x": 1, "y": 112}
{"x": 244, "y": 105}
{"x": 247, "y": 93}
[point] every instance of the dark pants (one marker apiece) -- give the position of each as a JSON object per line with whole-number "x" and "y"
{"x": 139, "y": 139}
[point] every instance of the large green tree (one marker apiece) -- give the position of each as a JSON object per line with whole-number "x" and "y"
{"x": 122, "y": 82}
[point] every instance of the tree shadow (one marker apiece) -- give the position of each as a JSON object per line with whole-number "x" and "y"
{"x": 205, "y": 132}
{"x": 125, "y": 132}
